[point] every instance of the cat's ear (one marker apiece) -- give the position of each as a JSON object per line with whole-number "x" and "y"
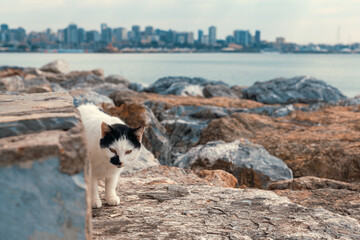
{"x": 105, "y": 128}
{"x": 138, "y": 132}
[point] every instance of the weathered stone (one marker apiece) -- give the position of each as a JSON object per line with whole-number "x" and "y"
{"x": 136, "y": 87}
{"x": 10, "y": 71}
{"x": 82, "y": 82}
{"x": 210, "y": 91}
{"x": 58, "y": 66}
{"x": 211, "y": 176}
{"x": 13, "y": 84}
{"x": 39, "y": 89}
{"x": 324, "y": 143}
{"x": 88, "y": 96}
{"x": 155, "y": 206}
{"x": 154, "y": 138}
{"x": 107, "y": 88}
{"x": 184, "y": 86}
{"x": 250, "y": 163}
{"x": 54, "y": 111}
{"x": 36, "y": 81}
{"x": 304, "y": 89}
{"x": 43, "y": 169}
{"x": 75, "y": 74}
{"x": 145, "y": 160}
{"x": 238, "y": 91}
{"x": 117, "y": 79}
{"x": 312, "y": 183}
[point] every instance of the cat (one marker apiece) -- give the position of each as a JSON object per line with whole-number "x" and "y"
{"x": 111, "y": 145}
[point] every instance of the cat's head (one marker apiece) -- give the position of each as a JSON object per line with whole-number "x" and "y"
{"x": 121, "y": 143}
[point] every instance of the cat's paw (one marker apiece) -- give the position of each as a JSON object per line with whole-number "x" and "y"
{"x": 113, "y": 200}
{"x": 96, "y": 203}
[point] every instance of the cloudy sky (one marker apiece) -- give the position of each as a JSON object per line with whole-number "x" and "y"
{"x": 301, "y": 21}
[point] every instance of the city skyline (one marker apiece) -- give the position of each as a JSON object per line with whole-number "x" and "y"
{"x": 330, "y": 21}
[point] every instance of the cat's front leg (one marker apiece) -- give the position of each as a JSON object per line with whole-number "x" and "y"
{"x": 110, "y": 190}
{"x": 95, "y": 199}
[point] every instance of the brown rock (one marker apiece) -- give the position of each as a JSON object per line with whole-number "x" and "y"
{"x": 39, "y": 89}
{"x": 215, "y": 176}
{"x": 173, "y": 100}
{"x": 8, "y": 72}
{"x": 324, "y": 143}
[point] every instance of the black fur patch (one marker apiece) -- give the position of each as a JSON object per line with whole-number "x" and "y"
{"x": 119, "y": 131}
{"x": 115, "y": 160}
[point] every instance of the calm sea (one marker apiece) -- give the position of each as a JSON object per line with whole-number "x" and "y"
{"x": 341, "y": 71}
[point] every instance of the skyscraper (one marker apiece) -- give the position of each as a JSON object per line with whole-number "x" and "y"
{"x": 120, "y": 34}
{"x": 106, "y": 33}
{"x": 81, "y": 35}
{"x": 212, "y": 35}
{"x": 149, "y": 30}
{"x": 4, "y": 27}
{"x": 136, "y": 33}
{"x": 72, "y": 35}
{"x": 242, "y": 37}
{"x": 200, "y": 36}
{"x": 257, "y": 39}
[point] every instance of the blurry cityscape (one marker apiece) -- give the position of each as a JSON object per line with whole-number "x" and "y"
{"x": 74, "y": 39}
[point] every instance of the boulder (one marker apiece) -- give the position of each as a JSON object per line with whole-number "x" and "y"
{"x": 82, "y": 82}
{"x": 75, "y": 74}
{"x": 210, "y": 91}
{"x": 238, "y": 91}
{"x": 42, "y": 165}
{"x": 183, "y": 86}
{"x": 137, "y": 87}
{"x": 58, "y": 66}
{"x": 88, "y": 96}
{"x": 145, "y": 160}
{"x": 36, "y": 81}
{"x": 117, "y": 79}
{"x": 135, "y": 115}
{"x": 12, "y": 84}
{"x": 107, "y": 88}
{"x": 304, "y": 89}
{"x": 6, "y": 71}
{"x": 324, "y": 143}
{"x": 172, "y": 203}
{"x": 39, "y": 89}
{"x": 227, "y": 179}
{"x": 250, "y": 163}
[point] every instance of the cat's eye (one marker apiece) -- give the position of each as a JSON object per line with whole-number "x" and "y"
{"x": 113, "y": 150}
{"x": 128, "y": 151}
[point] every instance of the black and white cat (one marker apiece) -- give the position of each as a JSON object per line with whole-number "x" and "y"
{"x": 111, "y": 144}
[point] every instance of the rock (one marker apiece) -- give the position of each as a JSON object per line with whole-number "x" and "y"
{"x": 238, "y": 91}
{"x": 293, "y": 90}
{"x": 211, "y": 176}
{"x": 107, "y": 88}
{"x": 154, "y": 138}
{"x": 117, "y": 79}
{"x": 197, "y": 112}
{"x": 210, "y": 91}
{"x": 169, "y": 203}
{"x": 351, "y": 101}
{"x": 88, "y": 96}
{"x": 39, "y": 89}
{"x": 312, "y": 183}
{"x": 10, "y": 71}
{"x": 324, "y": 143}
{"x": 98, "y": 72}
{"x": 76, "y": 74}
{"x": 145, "y": 160}
{"x": 82, "y": 82}
{"x": 58, "y": 66}
{"x": 137, "y": 87}
{"x": 13, "y": 84}
{"x": 250, "y": 163}
{"x": 169, "y": 101}
{"x": 42, "y": 165}
{"x": 183, "y": 86}
{"x": 274, "y": 111}
{"x": 36, "y": 81}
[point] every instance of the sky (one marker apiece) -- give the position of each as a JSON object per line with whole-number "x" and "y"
{"x": 300, "y": 21}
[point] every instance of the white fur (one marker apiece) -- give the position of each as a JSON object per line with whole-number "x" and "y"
{"x": 99, "y": 158}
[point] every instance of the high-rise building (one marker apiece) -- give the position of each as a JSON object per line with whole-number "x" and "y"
{"x": 4, "y": 27}
{"x": 242, "y": 37}
{"x": 72, "y": 35}
{"x": 106, "y": 33}
{"x": 149, "y": 30}
{"x": 230, "y": 39}
{"x": 92, "y": 36}
{"x": 81, "y": 35}
{"x": 212, "y": 35}
{"x": 120, "y": 34}
{"x": 60, "y": 36}
{"x": 136, "y": 33}
{"x": 200, "y": 36}
{"x": 190, "y": 38}
{"x": 257, "y": 39}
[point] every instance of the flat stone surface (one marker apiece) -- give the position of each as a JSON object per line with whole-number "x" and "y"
{"x": 152, "y": 208}
{"x": 24, "y": 114}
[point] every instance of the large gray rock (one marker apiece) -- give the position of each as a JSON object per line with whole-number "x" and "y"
{"x": 117, "y": 79}
{"x": 293, "y": 90}
{"x": 83, "y": 82}
{"x": 12, "y": 84}
{"x": 42, "y": 165}
{"x": 184, "y": 86}
{"x": 210, "y": 91}
{"x": 108, "y": 88}
{"x": 250, "y": 163}
{"x": 88, "y": 96}
{"x": 58, "y": 66}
